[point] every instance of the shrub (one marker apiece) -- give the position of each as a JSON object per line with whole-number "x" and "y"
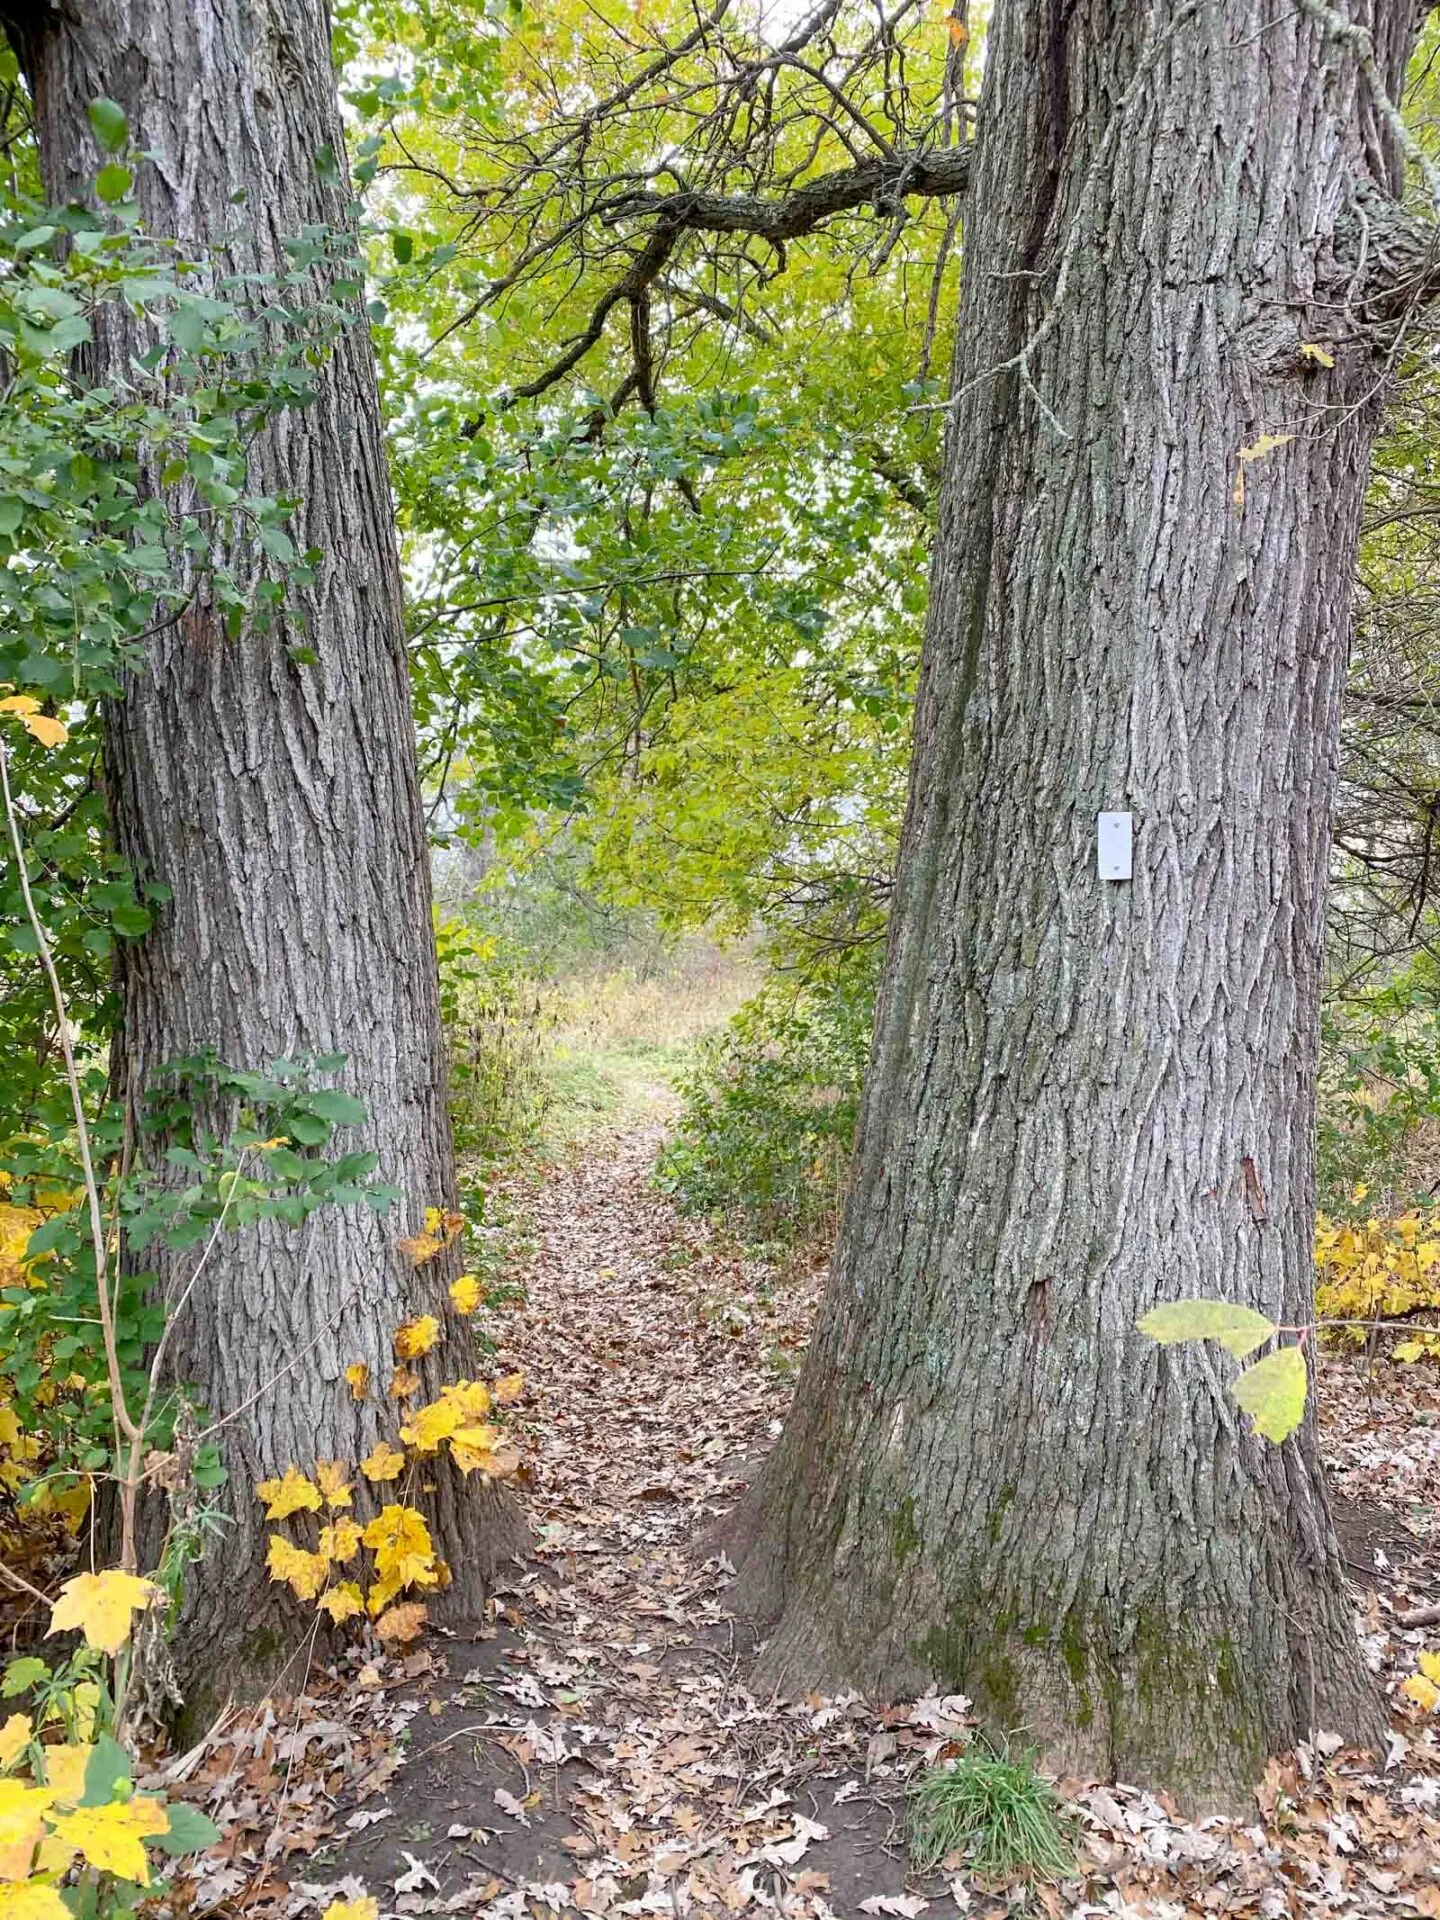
{"x": 771, "y": 1106}
{"x": 495, "y": 1025}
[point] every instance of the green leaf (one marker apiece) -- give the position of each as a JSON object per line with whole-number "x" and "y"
{"x": 107, "y": 118}
{"x": 340, "y": 1109}
{"x": 403, "y": 247}
{"x": 1238, "y": 1329}
{"x": 113, "y": 183}
{"x": 22, "y": 1674}
{"x": 107, "y": 1768}
{"x": 12, "y": 512}
{"x": 131, "y": 919}
{"x": 1273, "y": 1392}
{"x": 189, "y": 1830}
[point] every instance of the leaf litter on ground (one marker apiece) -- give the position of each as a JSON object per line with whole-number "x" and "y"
{"x": 591, "y": 1747}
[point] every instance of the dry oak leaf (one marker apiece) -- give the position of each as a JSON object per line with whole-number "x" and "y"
{"x": 304, "y": 1573}
{"x": 397, "y": 1626}
{"x": 331, "y": 1480}
{"x": 113, "y": 1838}
{"x": 22, "y": 1825}
{"x": 508, "y": 1388}
{"x": 465, "y": 1294}
{"x": 292, "y": 1493}
{"x": 100, "y": 1605}
{"x": 384, "y": 1462}
{"x": 15, "y": 1738}
{"x": 342, "y": 1602}
{"x": 29, "y": 1900}
{"x": 416, "y": 1337}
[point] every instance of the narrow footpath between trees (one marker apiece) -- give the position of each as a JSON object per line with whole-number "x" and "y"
{"x": 591, "y": 1749}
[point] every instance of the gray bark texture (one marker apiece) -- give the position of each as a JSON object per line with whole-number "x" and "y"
{"x": 1085, "y": 1097}
{"x": 280, "y": 803}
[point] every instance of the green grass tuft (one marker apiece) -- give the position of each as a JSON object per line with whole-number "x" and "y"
{"x": 998, "y": 1812}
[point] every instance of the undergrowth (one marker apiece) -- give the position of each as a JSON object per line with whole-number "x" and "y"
{"x": 994, "y": 1812}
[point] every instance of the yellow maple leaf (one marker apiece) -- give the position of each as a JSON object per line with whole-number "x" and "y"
{"x": 100, "y": 1605}
{"x": 304, "y": 1573}
{"x": 404, "y": 1555}
{"x": 465, "y": 1295}
{"x": 341, "y": 1601}
{"x": 22, "y": 1825}
{"x": 507, "y": 1389}
{"x": 1312, "y": 350}
{"x": 15, "y": 1737}
{"x": 330, "y": 1478}
{"x": 65, "y": 1771}
{"x": 430, "y": 1426}
{"x": 292, "y": 1493}
{"x": 112, "y": 1838}
{"x": 359, "y": 1378}
{"x": 1422, "y": 1691}
{"x": 339, "y": 1542}
{"x": 416, "y": 1337}
{"x": 30, "y": 1900}
{"x": 351, "y": 1910}
{"x": 420, "y": 1247}
{"x": 1430, "y": 1666}
{"x": 384, "y": 1462}
{"x": 21, "y": 704}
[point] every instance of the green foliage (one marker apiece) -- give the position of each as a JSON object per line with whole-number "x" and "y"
{"x": 995, "y": 1814}
{"x": 772, "y": 1103}
{"x": 1380, "y": 1095}
{"x": 219, "y": 1150}
{"x": 494, "y": 1024}
{"x": 120, "y": 508}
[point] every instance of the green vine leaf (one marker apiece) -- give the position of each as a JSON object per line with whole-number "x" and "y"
{"x": 1238, "y": 1329}
{"x": 1273, "y": 1392}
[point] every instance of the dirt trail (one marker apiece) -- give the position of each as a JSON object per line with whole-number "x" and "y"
{"x": 591, "y": 1747}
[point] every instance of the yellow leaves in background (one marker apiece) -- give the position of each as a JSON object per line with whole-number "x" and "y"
{"x": 416, "y": 1337}
{"x": 292, "y": 1493}
{"x": 1378, "y": 1270}
{"x": 383, "y": 1462}
{"x": 465, "y": 1294}
{"x": 100, "y": 1605}
{"x": 16, "y": 1226}
{"x": 359, "y": 1379}
{"x": 50, "y": 733}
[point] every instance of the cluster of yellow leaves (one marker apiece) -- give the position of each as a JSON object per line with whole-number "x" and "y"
{"x": 440, "y": 1229}
{"x": 1424, "y": 1687}
{"x": 1378, "y": 1270}
{"x": 40, "y": 726}
{"x": 22, "y": 1453}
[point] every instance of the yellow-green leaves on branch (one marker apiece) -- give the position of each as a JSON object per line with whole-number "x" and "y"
{"x": 1273, "y": 1391}
{"x": 1238, "y": 1329}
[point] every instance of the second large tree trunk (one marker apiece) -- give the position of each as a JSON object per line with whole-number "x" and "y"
{"x": 278, "y": 802}
{"x": 1086, "y": 1096}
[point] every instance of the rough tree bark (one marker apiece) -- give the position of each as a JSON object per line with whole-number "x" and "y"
{"x": 278, "y": 801}
{"x": 1088, "y": 1097}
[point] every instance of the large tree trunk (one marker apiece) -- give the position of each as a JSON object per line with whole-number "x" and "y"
{"x": 279, "y": 802}
{"x": 1087, "y": 1097}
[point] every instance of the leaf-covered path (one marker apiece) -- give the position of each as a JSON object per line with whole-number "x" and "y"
{"x": 591, "y": 1748}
